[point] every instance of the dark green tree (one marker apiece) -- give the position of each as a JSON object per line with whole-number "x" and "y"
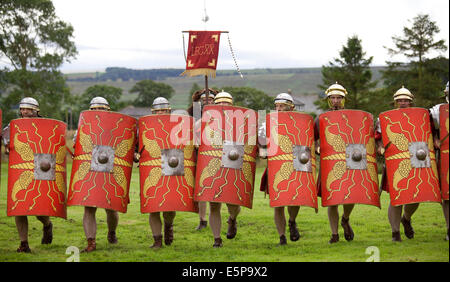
{"x": 35, "y": 42}
{"x": 250, "y": 98}
{"x": 148, "y": 90}
{"x": 110, "y": 93}
{"x": 421, "y": 75}
{"x": 351, "y": 70}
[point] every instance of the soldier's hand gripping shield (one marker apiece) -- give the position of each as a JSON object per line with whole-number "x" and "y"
{"x": 347, "y": 158}
{"x": 103, "y": 160}
{"x": 291, "y": 160}
{"x": 444, "y": 160}
{"x": 410, "y": 159}
{"x": 37, "y": 168}
{"x": 227, "y": 154}
{"x": 167, "y": 163}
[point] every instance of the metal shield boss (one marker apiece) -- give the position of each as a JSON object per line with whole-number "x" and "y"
{"x": 227, "y": 155}
{"x": 410, "y": 159}
{"x": 37, "y": 168}
{"x": 167, "y": 163}
{"x": 347, "y": 158}
{"x": 444, "y": 160}
{"x": 291, "y": 159}
{"x": 103, "y": 160}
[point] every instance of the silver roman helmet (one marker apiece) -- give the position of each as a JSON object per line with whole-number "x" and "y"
{"x": 210, "y": 94}
{"x": 284, "y": 98}
{"x": 160, "y": 103}
{"x": 99, "y": 102}
{"x": 29, "y": 103}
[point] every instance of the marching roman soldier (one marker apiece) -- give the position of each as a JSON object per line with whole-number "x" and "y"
{"x": 167, "y": 168}
{"x": 283, "y": 167}
{"x": 439, "y": 114}
{"x": 404, "y": 137}
{"x": 226, "y": 162}
{"x": 348, "y": 173}
{"x": 104, "y": 150}
{"x": 200, "y": 97}
{"x": 31, "y": 170}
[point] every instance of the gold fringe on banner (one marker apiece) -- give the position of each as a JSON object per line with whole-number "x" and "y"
{"x": 196, "y": 72}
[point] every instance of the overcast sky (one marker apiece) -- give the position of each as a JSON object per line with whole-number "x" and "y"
{"x": 145, "y": 34}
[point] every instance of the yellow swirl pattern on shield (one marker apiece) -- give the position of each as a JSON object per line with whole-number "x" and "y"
{"x": 23, "y": 149}
{"x": 22, "y": 183}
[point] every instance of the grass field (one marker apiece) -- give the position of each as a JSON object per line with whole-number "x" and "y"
{"x": 256, "y": 240}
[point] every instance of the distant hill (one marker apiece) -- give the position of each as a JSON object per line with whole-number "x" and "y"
{"x": 302, "y": 82}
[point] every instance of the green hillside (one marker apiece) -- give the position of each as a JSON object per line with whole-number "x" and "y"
{"x": 301, "y": 81}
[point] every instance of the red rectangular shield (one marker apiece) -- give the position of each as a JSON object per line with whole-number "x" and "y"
{"x": 444, "y": 160}
{"x": 226, "y": 161}
{"x": 347, "y": 158}
{"x": 167, "y": 163}
{"x": 103, "y": 160}
{"x": 410, "y": 158}
{"x": 291, "y": 160}
{"x": 37, "y": 168}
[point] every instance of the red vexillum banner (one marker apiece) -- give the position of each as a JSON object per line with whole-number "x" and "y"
{"x": 203, "y": 52}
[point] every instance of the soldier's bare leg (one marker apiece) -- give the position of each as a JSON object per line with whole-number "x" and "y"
{"x": 233, "y": 210}
{"x": 409, "y": 210}
{"x": 445, "y": 210}
{"x": 168, "y": 226}
{"x": 156, "y": 227}
{"x": 22, "y": 229}
{"x": 293, "y": 230}
{"x": 280, "y": 223}
{"x": 394, "y": 216}
{"x": 90, "y": 228}
{"x": 202, "y": 215}
{"x": 47, "y": 230}
{"x": 89, "y": 222}
{"x": 112, "y": 220}
{"x": 215, "y": 221}
{"x": 348, "y": 210}
{"x": 155, "y": 223}
{"x": 333, "y": 217}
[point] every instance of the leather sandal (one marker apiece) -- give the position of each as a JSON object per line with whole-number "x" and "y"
{"x": 293, "y": 230}
{"x": 157, "y": 243}
{"x": 396, "y": 236}
{"x": 202, "y": 224}
{"x": 24, "y": 247}
{"x": 232, "y": 228}
{"x": 47, "y": 234}
{"x": 168, "y": 234}
{"x": 409, "y": 230}
{"x": 348, "y": 231}
{"x": 217, "y": 243}
{"x": 283, "y": 240}
{"x": 92, "y": 246}
{"x": 334, "y": 238}
{"x": 112, "y": 239}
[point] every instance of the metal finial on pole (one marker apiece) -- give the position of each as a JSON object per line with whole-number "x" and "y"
{"x": 205, "y": 17}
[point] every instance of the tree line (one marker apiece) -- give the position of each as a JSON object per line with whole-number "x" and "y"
{"x": 35, "y": 43}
